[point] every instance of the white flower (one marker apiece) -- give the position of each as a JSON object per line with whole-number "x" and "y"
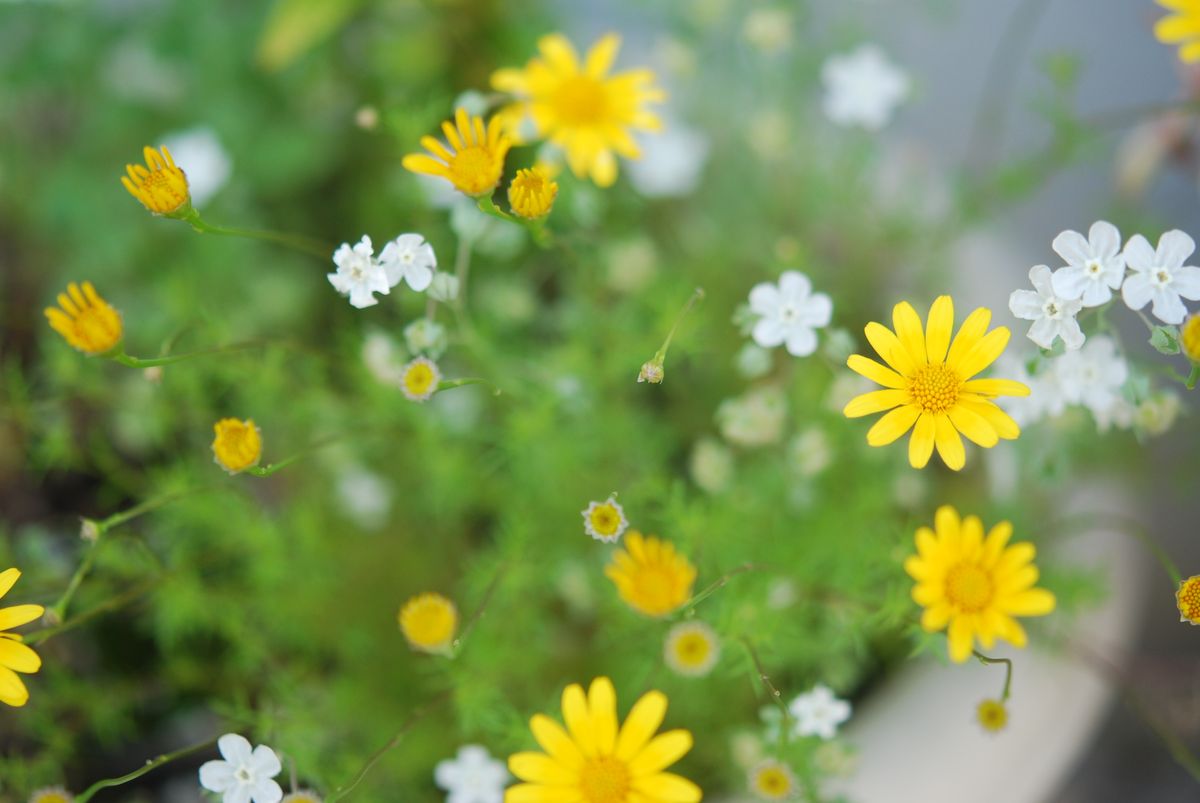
{"x": 605, "y": 521}
{"x": 408, "y": 258}
{"x": 671, "y": 162}
{"x": 789, "y": 313}
{"x": 444, "y": 287}
{"x": 358, "y": 274}
{"x": 753, "y": 361}
{"x": 691, "y": 649}
{"x": 1052, "y": 316}
{"x": 818, "y": 713}
{"x": 862, "y": 88}
{"x": 1045, "y": 396}
{"x": 472, "y": 777}
{"x": 1093, "y": 377}
{"x": 364, "y": 497}
{"x": 1095, "y": 266}
{"x": 1161, "y": 275}
{"x": 198, "y": 152}
{"x": 244, "y": 776}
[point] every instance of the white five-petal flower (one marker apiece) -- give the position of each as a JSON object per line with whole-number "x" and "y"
{"x": 358, "y": 274}
{"x": 789, "y": 313}
{"x": 862, "y": 88}
{"x": 1160, "y": 275}
{"x": 1095, "y": 265}
{"x": 1093, "y": 377}
{"x": 408, "y": 258}
{"x": 473, "y": 776}
{"x": 245, "y": 775}
{"x": 1052, "y": 316}
{"x": 818, "y": 713}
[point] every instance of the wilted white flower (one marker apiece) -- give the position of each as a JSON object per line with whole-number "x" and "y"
{"x": 818, "y": 713}
{"x": 773, "y": 780}
{"x": 1160, "y": 275}
{"x": 671, "y": 162}
{"x": 1095, "y": 265}
{"x": 782, "y": 593}
{"x": 789, "y": 313}
{"x": 244, "y": 776}
{"x": 410, "y": 259}
{"x": 862, "y": 88}
{"x": 473, "y": 776}
{"x": 198, "y": 152}
{"x": 755, "y": 418}
{"x": 427, "y": 337}
{"x": 631, "y": 264}
{"x": 364, "y": 497}
{"x": 810, "y": 452}
{"x": 358, "y": 274}
{"x": 711, "y": 465}
{"x": 768, "y": 29}
{"x": 1093, "y": 377}
{"x": 1053, "y": 317}
{"x": 753, "y": 361}
{"x": 444, "y": 287}
{"x": 1157, "y": 414}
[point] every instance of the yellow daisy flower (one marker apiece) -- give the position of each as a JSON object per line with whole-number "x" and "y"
{"x": 974, "y": 586}
{"x": 1187, "y": 599}
{"x": 595, "y": 761}
{"x": 580, "y": 107}
{"x": 473, "y": 160}
{"x": 992, "y": 715}
{"x": 429, "y": 622}
{"x": 419, "y": 379}
{"x": 773, "y": 780}
{"x": 160, "y": 186}
{"x": 1181, "y": 28}
{"x": 1189, "y": 338}
{"x": 532, "y": 192}
{"x": 651, "y": 577}
{"x": 51, "y": 794}
{"x": 86, "y": 321}
{"x": 237, "y": 445}
{"x": 692, "y": 649}
{"x": 929, "y": 385}
{"x": 14, "y": 656}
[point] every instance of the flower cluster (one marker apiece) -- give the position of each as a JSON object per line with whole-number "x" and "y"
{"x": 359, "y": 275}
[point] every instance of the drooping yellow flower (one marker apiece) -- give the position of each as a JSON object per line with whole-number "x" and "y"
{"x": 593, "y": 760}
{"x": 532, "y": 192}
{"x": 51, "y": 794}
{"x": 992, "y": 715}
{"x": 160, "y": 185}
{"x": 773, "y": 780}
{"x": 14, "y": 656}
{"x": 429, "y": 622}
{"x": 651, "y": 576}
{"x": 86, "y": 321}
{"x": 1187, "y": 599}
{"x": 1189, "y": 338}
{"x": 1181, "y": 28}
{"x": 473, "y": 159}
{"x": 419, "y": 379}
{"x": 580, "y": 107}
{"x": 237, "y": 445}
{"x": 929, "y": 385}
{"x": 974, "y": 586}
{"x": 692, "y": 649}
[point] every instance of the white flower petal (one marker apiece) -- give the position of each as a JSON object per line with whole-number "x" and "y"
{"x": 1039, "y": 276}
{"x": 1137, "y": 290}
{"x": 234, "y": 748}
{"x": 1167, "y": 306}
{"x": 361, "y": 297}
{"x": 1139, "y": 255}
{"x": 216, "y": 776}
{"x": 1072, "y": 336}
{"x": 1097, "y": 293}
{"x": 817, "y": 311}
{"x": 1174, "y": 248}
{"x": 794, "y": 285}
{"x": 1043, "y": 332}
{"x": 1186, "y": 282}
{"x": 238, "y": 793}
{"x": 1073, "y": 247}
{"x": 418, "y": 277}
{"x": 801, "y": 341}
{"x": 1025, "y": 304}
{"x": 447, "y": 774}
{"x": 266, "y": 791}
{"x": 769, "y": 332}
{"x": 1070, "y": 282}
{"x": 765, "y": 299}
{"x": 1104, "y": 239}
{"x": 264, "y": 762}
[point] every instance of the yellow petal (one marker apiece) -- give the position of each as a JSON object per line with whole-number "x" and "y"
{"x": 18, "y": 615}
{"x": 18, "y": 657}
{"x": 555, "y": 741}
{"x": 948, "y": 525}
{"x": 8, "y": 579}
{"x": 874, "y": 402}
{"x": 602, "y": 55}
{"x": 920, "y": 445}
{"x": 602, "y": 701}
{"x": 422, "y": 163}
{"x": 994, "y": 545}
{"x": 892, "y": 425}
{"x": 973, "y": 426}
{"x": 1014, "y": 633}
{"x": 1014, "y": 558}
{"x": 1177, "y": 28}
{"x": 1001, "y": 421}
{"x": 889, "y": 347}
{"x": 949, "y": 444}
{"x": 662, "y": 751}
{"x": 536, "y": 793}
{"x": 996, "y": 387}
{"x": 643, "y": 720}
{"x": 990, "y": 347}
{"x": 968, "y": 334}
{"x": 12, "y": 690}
{"x": 908, "y": 329}
{"x": 865, "y": 366}
{"x": 936, "y": 617}
{"x": 962, "y": 640}
{"x": 559, "y": 52}
{"x": 578, "y": 719}
{"x": 540, "y": 768}
{"x": 668, "y": 788}
{"x": 940, "y": 328}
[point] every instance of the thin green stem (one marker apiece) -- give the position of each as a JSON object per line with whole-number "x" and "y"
{"x": 1008, "y": 671}
{"x": 1193, "y": 377}
{"x": 717, "y": 584}
{"x": 57, "y": 612}
{"x": 145, "y": 507}
{"x": 271, "y": 468}
{"x": 150, "y": 765}
{"x": 119, "y": 601}
{"x": 654, "y": 371}
{"x": 150, "y": 362}
{"x": 295, "y": 241}
{"x": 774, "y": 693}
{"x": 447, "y": 384}
{"x": 479, "y": 611}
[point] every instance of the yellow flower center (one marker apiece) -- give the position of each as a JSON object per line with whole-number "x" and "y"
{"x": 429, "y": 621}
{"x": 581, "y": 101}
{"x": 1188, "y": 599}
{"x": 692, "y": 649}
{"x": 605, "y": 520}
{"x": 969, "y": 587}
{"x": 419, "y": 379}
{"x": 773, "y": 782}
{"x": 475, "y": 169}
{"x": 935, "y": 388}
{"x": 50, "y": 797}
{"x": 605, "y": 779}
{"x": 992, "y": 715}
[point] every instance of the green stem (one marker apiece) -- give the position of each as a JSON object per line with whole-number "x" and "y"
{"x": 488, "y": 206}
{"x": 114, "y": 603}
{"x": 145, "y": 507}
{"x": 150, "y": 362}
{"x": 58, "y": 610}
{"x": 447, "y": 384}
{"x": 1008, "y": 671}
{"x": 151, "y": 764}
{"x": 296, "y": 241}
{"x": 271, "y": 468}
{"x": 774, "y": 693}
{"x": 479, "y": 611}
{"x": 1193, "y": 376}
{"x": 718, "y": 584}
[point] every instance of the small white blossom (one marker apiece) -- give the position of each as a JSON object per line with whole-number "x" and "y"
{"x": 1095, "y": 265}
{"x": 862, "y": 88}
{"x": 1157, "y": 414}
{"x": 1053, "y": 317}
{"x": 789, "y": 313}
{"x": 410, "y": 259}
{"x": 818, "y": 713}
{"x": 753, "y": 361}
{"x": 1093, "y": 377}
{"x": 1160, "y": 275}
{"x": 1045, "y": 396}
{"x": 245, "y": 775}
{"x": 473, "y": 776}
{"x": 358, "y": 274}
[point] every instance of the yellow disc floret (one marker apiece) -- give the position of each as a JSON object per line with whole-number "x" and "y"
{"x": 1188, "y": 600}
{"x": 85, "y": 320}
{"x": 419, "y": 379}
{"x": 992, "y": 715}
{"x": 472, "y": 159}
{"x": 650, "y": 575}
{"x": 691, "y": 649}
{"x": 237, "y": 445}
{"x": 51, "y": 794}
{"x": 773, "y": 780}
{"x": 531, "y": 194}
{"x": 160, "y": 185}
{"x": 429, "y": 622}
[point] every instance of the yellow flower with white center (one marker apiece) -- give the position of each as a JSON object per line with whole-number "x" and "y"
{"x": 593, "y": 760}
{"x": 85, "y": 320}
{"x": 1189, "y": 338}
{"x": 302, "y": 796}
{"x": 1181, "y": 28}
{"x": 973, "y": 587}
{"x": 650, "y": 575}
{"x": 419, "y": 379}
{"x": 581, "y": 108}
{"x": 604, "y": 521}
{"x": 51, "y": 794}
{"x": 1187, "y": 599}
{"x": 929, "y": 384}
{"x": 429, "y": 622}
{"x": 237, "y": 445}
{"x": 992, "y": 715}
{"x": 14, "y": 656}
{"x": 532, "y": 192}
{"x": 160, "y": 185}
{"x": 773, "y": 780}
{"x": 692, "y": 649}
{"x": 472, "y": 158}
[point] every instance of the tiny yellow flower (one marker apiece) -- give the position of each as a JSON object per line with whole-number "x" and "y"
{"x": 160, "y": 186}
{"x": 14, "y": 656}
{"x": 928, "y": 383}
{"x": 604, "y": 521}
{"x": 302, "y": 796}
{"x": 237, "y": 445}
{"x": 692, "y": 649}
{"x": 1189, "y": 338}
{"x": 85, "y": 320}
{"x": 992, "y": 715}
{"x": 532, "y": 192}
{"x": 972, "y": 586}
{"x": 595, "y": 760}
{"x": 419, "y": 379}
{"x": 773, "y": 780}
{"x": 651, "y": 577}
{"x": 1187, "y": 599}
{"x": 51, "y": 794}
{"x": 1181, "y": 28}
{"x": 473, "y": 159}
{"x": 429, "y": 622}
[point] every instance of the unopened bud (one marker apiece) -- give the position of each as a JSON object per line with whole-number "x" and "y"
{"x": 89, "y": 530}
{"x": 652, "y": 372}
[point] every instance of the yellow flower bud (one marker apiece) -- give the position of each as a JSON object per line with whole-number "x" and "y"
{"x": 86, "y": 321}
{"x": 160, "y": 185}
{"x": 237, "y": 445}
